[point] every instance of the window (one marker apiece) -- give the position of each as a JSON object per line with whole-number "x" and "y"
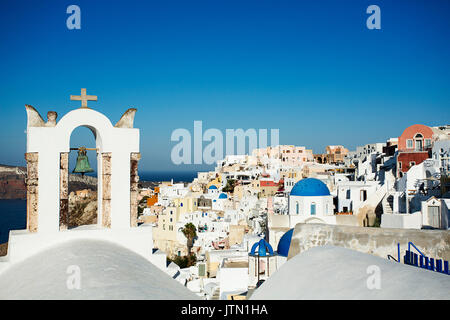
{"x": 427, "y": 143}
{"x": 412, "y": 163}
{"x": 296, "y": 208}
{"x": 399, "y": 164}
{"x": 313, "y": 209}
{"x": 409, "y": 144}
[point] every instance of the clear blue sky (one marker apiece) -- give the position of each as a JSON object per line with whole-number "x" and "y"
{"x": 310, "y": 68}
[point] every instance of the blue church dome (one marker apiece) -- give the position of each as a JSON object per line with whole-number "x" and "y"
{"x": 285, "y": 243}
{"x": 310, "y": 187}
{"x": 223, "y": 196}
{"x": 264, "y": 249}
{"x": 212, "y": 187}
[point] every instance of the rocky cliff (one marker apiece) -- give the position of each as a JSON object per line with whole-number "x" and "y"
{"x": 82, "y": 210}
{"x": 12, "y": 182}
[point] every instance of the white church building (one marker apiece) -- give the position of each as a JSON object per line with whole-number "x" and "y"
{"x": 310, "y": 201}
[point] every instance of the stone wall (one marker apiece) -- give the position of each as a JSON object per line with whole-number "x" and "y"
{"x": 134, "y": 190}
{"x": 377, "y": 241}
{"x": 32, "y": 182}
{"x": 64, "y": 191}
{"x": 106, "y": 190}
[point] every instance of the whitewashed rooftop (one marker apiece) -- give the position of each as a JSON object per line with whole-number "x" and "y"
{"x": 107, "y": 271}
{"x": 338, "y": 273}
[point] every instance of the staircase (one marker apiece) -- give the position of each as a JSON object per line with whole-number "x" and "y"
{"x": 388, "y": 204}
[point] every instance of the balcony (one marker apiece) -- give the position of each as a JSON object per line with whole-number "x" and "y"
{"x": 412, "y": 150}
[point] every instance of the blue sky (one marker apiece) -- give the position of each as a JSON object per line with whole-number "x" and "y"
{"x": 309, "y": 68}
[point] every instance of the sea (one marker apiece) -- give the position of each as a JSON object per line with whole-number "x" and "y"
{"x": 158, "y": 176}
{"x": 13, "y": 215}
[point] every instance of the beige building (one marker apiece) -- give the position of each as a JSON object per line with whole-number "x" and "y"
{"x": 291, "y": 173}
{"x": 241, "y": 190}
{"x": 268, "y": 188}
{"x": 236, "y": 234}
{"x": 333, "y": 155}
{"x": 165, "y": 234}
{"x": 288, "y": 154}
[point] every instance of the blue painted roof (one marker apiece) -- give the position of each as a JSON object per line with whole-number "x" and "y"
{"x": 212, "y": 187}
{"x": 264, "y": 248}
{"x": 223, "y": 196}
{"x": 310, "y": 187}
{"x": 285, "y": 243}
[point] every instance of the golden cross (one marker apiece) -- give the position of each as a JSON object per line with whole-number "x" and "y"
{"x": 83, "y": 98}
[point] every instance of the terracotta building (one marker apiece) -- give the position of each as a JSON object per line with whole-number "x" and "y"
{"x": 414, "y": 146}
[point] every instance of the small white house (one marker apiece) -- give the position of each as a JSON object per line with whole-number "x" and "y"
{"x": 351, "y": 194}
{"x": 435, "y": 213}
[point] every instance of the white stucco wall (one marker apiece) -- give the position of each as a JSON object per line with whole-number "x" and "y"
{"x": 49, "y": 142}
{"x": 233, "y": 280}
{"x": 402, "y": 221}
{"x": 324, "y": 205}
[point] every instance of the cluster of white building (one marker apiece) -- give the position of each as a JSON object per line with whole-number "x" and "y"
{"x": 264, "y": 195}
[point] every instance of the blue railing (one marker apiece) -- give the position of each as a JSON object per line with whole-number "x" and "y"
{"x": 413, "y": 259}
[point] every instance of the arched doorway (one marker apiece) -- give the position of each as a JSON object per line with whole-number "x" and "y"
{"x": 418, "y": 139}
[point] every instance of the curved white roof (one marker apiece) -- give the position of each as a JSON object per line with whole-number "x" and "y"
{"x": 338, "y": 273}
{"x": 107, "y": 271}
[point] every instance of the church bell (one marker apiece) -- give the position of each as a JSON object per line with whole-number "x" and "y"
{"x": 83, "y": 165}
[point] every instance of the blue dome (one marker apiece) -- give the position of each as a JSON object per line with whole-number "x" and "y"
{"x": 285, "y": 243}
{"x": 263, "y": 246}
{"x": 310, "y": 187}
{"x": 212, "y": 187}
{"x": 223, "y": 196}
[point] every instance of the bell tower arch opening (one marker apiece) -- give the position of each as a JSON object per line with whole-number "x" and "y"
{"x": 83, "y": 178}
{"x": 49, "y": 162}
